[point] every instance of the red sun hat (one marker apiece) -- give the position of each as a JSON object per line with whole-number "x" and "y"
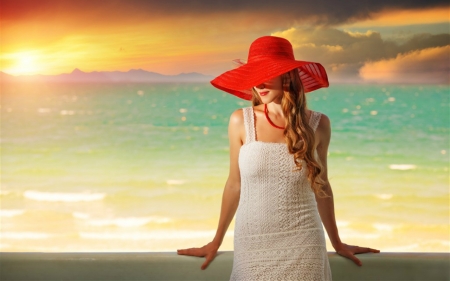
{"x": 269, "y": 57}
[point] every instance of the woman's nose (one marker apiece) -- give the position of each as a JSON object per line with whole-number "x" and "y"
{"x": 260, "y": 86}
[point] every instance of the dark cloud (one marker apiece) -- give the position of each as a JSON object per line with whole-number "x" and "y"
{"x": 426, "y": 66}
{"x": 370, "y": 46}
{"x": 322, "y": 11}
{"x": 344, "y": 53}
{"x": 423, "y": 41}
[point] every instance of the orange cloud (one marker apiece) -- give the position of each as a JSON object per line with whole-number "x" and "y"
{"x": 395, "y": 17}
{"x": 425, "y": 66}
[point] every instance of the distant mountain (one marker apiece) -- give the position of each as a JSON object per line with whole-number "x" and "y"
{"x": 4, "y": 77}
{"x": 133, "y": 75}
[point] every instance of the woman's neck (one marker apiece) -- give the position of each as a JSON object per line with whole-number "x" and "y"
{"x": 275, "y": 109}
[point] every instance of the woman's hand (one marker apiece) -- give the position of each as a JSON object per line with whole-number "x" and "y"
{"x": 349, "y": 252}
{"x": 208, "y": 251}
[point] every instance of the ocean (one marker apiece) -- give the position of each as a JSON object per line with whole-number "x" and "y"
{"x": 141, "y": 167}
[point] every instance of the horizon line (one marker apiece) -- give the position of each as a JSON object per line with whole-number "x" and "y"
{"x": 131, "y": 69}
{"x": 349, "y": 80}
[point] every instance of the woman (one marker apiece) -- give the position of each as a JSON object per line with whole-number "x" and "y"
{"x": 278, "y": 181}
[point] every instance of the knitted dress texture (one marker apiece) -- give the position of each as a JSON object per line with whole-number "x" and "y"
{"x": 278, "y": 232}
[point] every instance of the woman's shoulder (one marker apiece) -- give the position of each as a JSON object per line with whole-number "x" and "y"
{"x": 237, "y": 117}
{"x": 239, "y": 113}
{"x": 323, "y": 121}
{"x": 318, "y": 114}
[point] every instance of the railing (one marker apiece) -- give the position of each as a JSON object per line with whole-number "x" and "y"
{"x": 169, "y": 266}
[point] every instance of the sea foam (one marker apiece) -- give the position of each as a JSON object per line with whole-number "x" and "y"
{"x": 383, "y": 227}
{"x": 10, "y": 213}
{"x": 402, "y": 167}
{"x": 79, "y": 215}
{"x": 63, "y": 197}
{"x": 128, "y": 222}
{"x": 25, "y": 235}
{"x": 384, "y": 196}
{"x": 175, "y": 182}
{"x": 155, "y": 235}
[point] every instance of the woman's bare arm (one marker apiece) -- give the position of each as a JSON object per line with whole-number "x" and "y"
{"x": 326, "y": 205}
{"x": 231, "y": 193}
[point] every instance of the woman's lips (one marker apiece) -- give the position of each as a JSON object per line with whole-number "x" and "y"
{"x": 263, "y": 93}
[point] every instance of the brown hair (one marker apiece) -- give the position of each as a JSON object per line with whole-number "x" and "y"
{"x": 298, "y": 134}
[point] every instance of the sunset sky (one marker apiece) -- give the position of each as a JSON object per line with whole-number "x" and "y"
{"x": 381, "y": 41}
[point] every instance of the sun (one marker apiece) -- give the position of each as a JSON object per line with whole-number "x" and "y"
{"x": 22, "y": 63}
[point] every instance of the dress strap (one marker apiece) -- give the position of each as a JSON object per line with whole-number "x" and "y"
{"x": 314, "y": 119}
{"x": 249, "y": 124}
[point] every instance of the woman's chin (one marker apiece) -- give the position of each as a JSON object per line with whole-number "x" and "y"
{"x": 265, "y": 99}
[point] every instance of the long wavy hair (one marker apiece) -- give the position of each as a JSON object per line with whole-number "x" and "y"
{"x": 298, "y": 134}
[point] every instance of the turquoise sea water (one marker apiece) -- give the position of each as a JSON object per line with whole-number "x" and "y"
{"x": 141, "y": 167}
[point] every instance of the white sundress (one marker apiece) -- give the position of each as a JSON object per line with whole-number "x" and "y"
{"x": 278, "y": 232}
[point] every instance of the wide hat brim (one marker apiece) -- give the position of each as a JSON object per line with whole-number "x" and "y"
{"x": 241, "y": 80}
